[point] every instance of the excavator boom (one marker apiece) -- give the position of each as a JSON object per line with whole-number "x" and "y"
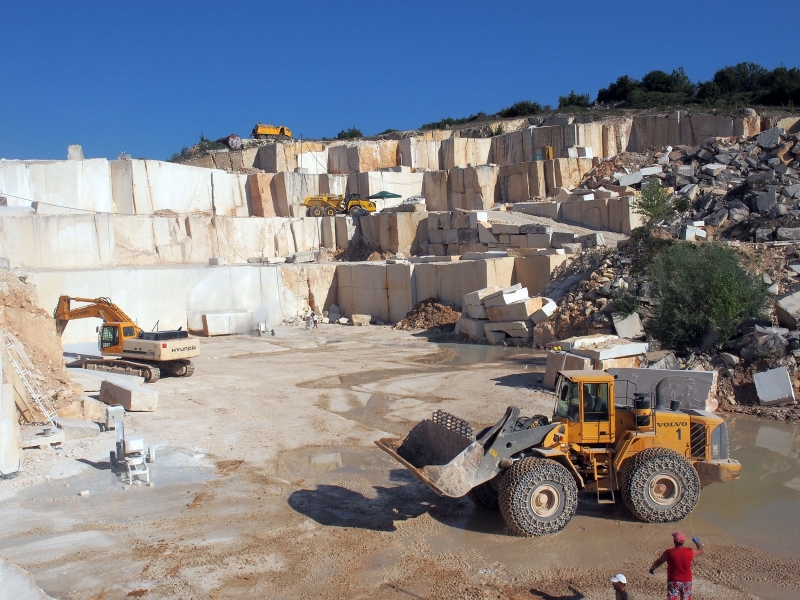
{"x": 100, "y": 308}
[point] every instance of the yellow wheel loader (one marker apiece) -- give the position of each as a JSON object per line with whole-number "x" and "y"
{"x": 329, "y": 206}
{"x": 126, "y": 348}
{"x": 656, "y": 458}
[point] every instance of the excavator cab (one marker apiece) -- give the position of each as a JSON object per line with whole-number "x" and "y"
{"x": 112, "y": 336}
{"x": 585, "y": 404}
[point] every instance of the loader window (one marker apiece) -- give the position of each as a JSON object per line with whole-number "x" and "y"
{"x": 109, "y": 337}
{"x": 595, "y": 402}
{"x": 568, "y": 404}
{"x": 127, "y": 332}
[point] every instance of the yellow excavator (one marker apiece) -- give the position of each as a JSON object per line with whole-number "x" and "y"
{"x": 262, "y": 131}
{"x": 126, "y": 348}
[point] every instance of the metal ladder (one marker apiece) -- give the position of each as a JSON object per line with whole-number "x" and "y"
{"x": 611, "y": 476}
{"x": 42, "y": 402}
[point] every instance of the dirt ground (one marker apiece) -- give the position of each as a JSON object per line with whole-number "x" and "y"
{"x": 268, "y": 485}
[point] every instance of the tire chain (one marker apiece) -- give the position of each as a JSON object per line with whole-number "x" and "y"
{"x": 641, "y": 467}
{"x": 485, "y": 496}
{"x": 453, "y": 423}
{"x": 522, "y": 476}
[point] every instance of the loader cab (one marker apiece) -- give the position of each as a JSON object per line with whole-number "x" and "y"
{"x": 585, "y": 404}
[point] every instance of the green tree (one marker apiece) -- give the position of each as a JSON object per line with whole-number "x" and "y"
{"x": 522, "y": 108}
{"x": 655, "y": 203}
{"x": 349, "y": 134}
{"x": 697, "y": 285}
{"x": 573, "y": 99}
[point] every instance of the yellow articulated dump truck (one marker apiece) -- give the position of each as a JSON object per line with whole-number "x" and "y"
{"x": 657, "y": 459}
{"x": 126, "y": 348}
{"x": 262, "y": 131}
{"x": 329, "y": 206}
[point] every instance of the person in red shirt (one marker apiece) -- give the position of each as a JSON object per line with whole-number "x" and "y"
{"x": 679, "y": 567}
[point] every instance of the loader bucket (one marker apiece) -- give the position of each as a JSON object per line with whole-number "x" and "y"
{"x": 444, "y": 460}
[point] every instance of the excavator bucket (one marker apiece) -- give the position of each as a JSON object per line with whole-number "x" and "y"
{"x": 442, "y": 453}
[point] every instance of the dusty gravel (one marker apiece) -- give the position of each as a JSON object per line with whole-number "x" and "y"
{"x": 268, "y": 485}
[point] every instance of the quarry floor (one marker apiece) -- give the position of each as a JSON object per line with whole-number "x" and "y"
{"x": 267, "y": 485}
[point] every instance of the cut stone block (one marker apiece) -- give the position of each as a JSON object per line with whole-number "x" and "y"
{"x": 495, "y": 337}
{"x": 505, "y": 297}
{"x": 476, "y": 217}
{"x": 131, "y": 398}
{"x": 538, "y": 240}
{"x": 476, "y": 311}
{"x": 477, "y": 296}
{"x": 774, "y": 387}
{"x": 788, "y": 233}
{"x": 629, "y": 327}
{"x": 485, "y": 235}
{"x": 545, "y": 312}
{"x": 472, "y": 327}
{"x": 505, "y": 229}
{"x": 516, "y": 329}
{"x": 555, "y": 363}
{"x": 515, "y": 311}
{"x": 592, "y": 240}
{"x": 612, "y": 350}
{"x": 668, "y": 362}
{"x": 787, "y": 309}
{"x": 694, "y": 389}
{"x": 361, "y": 320}
{"x": 573, "y": 362}
{"x": 76, "y": 429}
{"x": 558, "y": 238}
{"x": 632, "y": 179}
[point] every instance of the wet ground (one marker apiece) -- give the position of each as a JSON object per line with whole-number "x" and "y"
{"x": 268, "y": 485}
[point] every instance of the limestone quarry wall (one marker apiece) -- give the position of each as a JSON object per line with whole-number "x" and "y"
{"x": 179, "y": 296}
{"x": 98, "y": 240}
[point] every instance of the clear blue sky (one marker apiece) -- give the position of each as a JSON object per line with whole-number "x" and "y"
{"x": 147, "y": 77}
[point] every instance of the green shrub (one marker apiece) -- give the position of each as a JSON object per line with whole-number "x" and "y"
{"x": 349, "y": 134}
{"x": 682, "y": 204}
{"x": 700, "y": 284}
{"x": 496, "y": 131}
{"x": 624, "y": 303}
{"x": 655, "y": 203}
{"x": 573, "y": 99}
{"x": 523, "y": 108}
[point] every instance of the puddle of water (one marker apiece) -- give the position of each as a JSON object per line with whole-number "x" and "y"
{"x": 470, "y": 354}
{"x": 762, "y": 508}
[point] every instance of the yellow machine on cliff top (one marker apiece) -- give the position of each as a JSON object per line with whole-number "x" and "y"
{"x": 658, "y": 459}
{"x": 126, "y": 348}
{"x": 263, "y": 131}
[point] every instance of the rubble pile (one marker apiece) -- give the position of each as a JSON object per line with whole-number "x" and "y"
{"x": 33, "y": 333}
{"x": 601, "y": 294}
{"x": 480, "y": 235}
{"x": 430, "y": 314}
{"x": 726, "y": 181}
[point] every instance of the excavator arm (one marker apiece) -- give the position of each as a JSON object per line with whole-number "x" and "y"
{"x": 100, "y": 308}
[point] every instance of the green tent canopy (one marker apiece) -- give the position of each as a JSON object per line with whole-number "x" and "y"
{"x": 383, "y": 196}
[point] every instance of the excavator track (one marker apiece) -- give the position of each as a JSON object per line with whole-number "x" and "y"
{"x": 178, "y": 368}
{"x": 150, "y": 373}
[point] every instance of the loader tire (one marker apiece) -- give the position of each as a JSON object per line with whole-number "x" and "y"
{"x": 537, "y": 497}
{"x": 330, "y": 212}
{"x": 660, "y": 486}
{"x": 485, "y": 495}
{"x": 316, "y": 211}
